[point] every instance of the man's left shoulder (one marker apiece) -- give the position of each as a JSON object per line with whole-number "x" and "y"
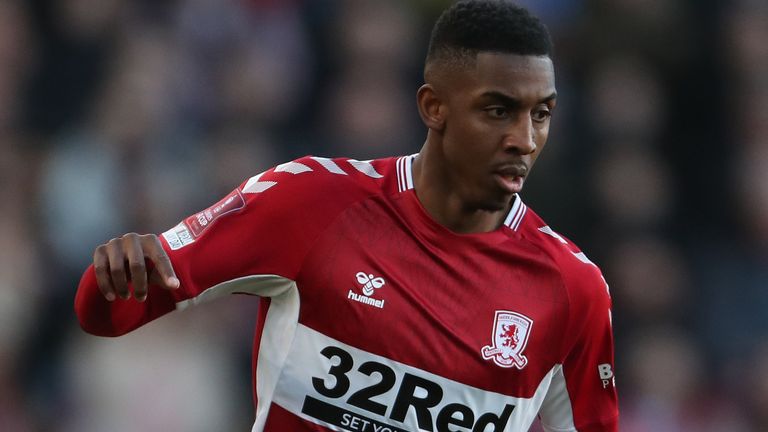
{"x": 579, "y": 273}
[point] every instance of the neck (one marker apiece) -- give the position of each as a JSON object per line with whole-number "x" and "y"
{"x": 443, "y": 200}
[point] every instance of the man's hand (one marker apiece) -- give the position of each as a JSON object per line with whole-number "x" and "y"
{"x": 122, "y": 259}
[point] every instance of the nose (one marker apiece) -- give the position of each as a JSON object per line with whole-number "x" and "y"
{"x": 520, "y": 137}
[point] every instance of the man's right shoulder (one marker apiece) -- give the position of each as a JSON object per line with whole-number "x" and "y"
{"x": 300, "y": 196}
{"x": 313, "y": 179}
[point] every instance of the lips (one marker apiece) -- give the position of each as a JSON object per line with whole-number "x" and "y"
{"x": 510, "y": 177}
{"x": 512, "y": 170}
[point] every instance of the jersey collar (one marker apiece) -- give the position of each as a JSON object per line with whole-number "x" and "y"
{"x": 404, "y": 172}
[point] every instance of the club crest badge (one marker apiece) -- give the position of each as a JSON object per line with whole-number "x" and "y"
{"x": 509, "y": 338}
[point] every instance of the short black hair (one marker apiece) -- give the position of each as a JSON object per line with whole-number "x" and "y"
{"x": 472, "y": 26}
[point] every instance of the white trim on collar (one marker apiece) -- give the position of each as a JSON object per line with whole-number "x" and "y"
{"x": 404, "y": 173}
{"x": 516, "y": 214}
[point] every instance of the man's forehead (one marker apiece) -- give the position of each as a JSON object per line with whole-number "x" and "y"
{"x": 513, "y": 74}
{"x": 494, "y": 63}
{"x": 505, "y": 72}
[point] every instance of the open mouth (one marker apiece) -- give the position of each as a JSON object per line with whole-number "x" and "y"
{"x": 511, "y": 177}
{"x": 510, "y": 183}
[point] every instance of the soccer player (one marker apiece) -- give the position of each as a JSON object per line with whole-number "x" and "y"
{"x": 401, "y": 294}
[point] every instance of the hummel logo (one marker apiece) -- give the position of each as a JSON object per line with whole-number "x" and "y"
{"x": 369, "y": 283}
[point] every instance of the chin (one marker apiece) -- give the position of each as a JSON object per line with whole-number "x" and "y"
{"x": 492, "y": 201}
{"x": 496, "y": 205}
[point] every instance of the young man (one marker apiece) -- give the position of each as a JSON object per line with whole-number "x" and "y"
{"x": 401, "y": 294}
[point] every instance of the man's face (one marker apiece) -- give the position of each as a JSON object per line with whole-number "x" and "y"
{"x": 497, "y": 114}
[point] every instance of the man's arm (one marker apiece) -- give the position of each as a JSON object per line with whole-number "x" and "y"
{"x": 262, "y": 228}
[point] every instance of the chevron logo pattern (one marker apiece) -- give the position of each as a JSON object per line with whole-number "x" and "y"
{"x": 256, "y": 185}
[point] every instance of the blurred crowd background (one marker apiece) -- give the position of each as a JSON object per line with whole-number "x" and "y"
{"x": 120, "y": 116}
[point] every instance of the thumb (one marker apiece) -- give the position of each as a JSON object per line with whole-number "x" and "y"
{"x": 168, "y": 282}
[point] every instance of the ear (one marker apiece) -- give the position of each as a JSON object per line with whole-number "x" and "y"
{"x": 431, "y": 108}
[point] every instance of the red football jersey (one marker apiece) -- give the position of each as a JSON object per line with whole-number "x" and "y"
{"x": 376, "y": 318}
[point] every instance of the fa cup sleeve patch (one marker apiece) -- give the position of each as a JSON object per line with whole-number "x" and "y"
{"x": 193, "y": 227}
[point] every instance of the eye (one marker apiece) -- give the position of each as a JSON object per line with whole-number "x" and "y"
{"x": 541, "y": 114}
{"x": 497, "y": 112}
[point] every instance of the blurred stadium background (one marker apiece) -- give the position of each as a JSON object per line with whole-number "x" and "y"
{"x": 123, "y": 116}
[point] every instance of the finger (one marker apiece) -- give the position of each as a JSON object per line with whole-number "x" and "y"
{"x": 101, "y": 269}
{"x": 136, "y": 266}
{"x": 117, "y": 268}
{"x": 155, "y": 252}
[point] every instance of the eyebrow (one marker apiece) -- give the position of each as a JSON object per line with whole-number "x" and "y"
{"x": 513, "y": 101}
